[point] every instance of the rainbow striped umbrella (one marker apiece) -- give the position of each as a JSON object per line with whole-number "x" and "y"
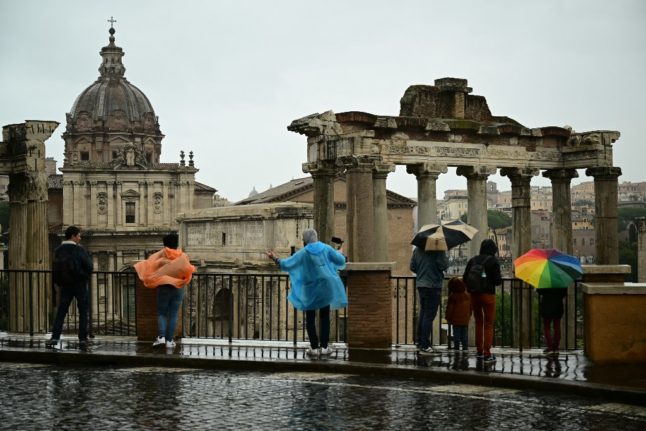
{"x": 546, "y": 268}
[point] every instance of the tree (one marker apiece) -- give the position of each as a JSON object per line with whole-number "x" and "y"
{"x": 626, "y": 215}
{"x": 498, "y": 219}
{"x": 628, "y": 256}
{"x": 495, "y": 219}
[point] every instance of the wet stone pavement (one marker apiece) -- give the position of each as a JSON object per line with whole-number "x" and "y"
{"x": 35, "y": 396}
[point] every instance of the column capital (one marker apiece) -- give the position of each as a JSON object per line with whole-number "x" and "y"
{"x": 560, "y": 174}
{"x": 381, "y": 169}
{"x": 604, "y": 172}
{"x": 476, "y": 172}
{"x": 427, "y": 169}
{"x": 358, "y": 163}
{"x": 320, "y": 168}
{"x": 515, "y": 174}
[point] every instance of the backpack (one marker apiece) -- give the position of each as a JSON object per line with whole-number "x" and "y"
{"x": 65, "y": 270}
{"x": 476, "y": 278}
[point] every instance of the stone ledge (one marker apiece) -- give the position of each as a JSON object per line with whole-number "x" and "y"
{"x": 606, "y": 269}
{"x": 369, "y": 266}
{"x": 614, "y": 288}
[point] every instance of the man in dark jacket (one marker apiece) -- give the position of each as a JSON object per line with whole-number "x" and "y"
{"x": 483, "y": 303}
{"x": 78, "y": 261}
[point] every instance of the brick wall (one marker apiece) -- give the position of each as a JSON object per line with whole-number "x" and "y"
{"x": 369, "y": 307}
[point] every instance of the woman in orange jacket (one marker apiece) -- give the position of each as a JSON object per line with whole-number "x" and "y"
{"x": 168, "y": 270}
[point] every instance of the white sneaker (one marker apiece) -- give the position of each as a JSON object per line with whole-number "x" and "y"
{"x": 170, "y": 344}
{"x": 326, "y": 351}
{"x": 312, "y": 353}
{"x": 159, "y": 341}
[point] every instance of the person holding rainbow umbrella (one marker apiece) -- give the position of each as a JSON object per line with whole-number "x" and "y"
{"x": 550, "y": 271}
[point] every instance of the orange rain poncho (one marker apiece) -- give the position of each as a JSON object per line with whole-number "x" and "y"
{"x": 167, "y": 266}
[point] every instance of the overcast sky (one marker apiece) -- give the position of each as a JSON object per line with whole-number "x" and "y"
{"x": 227, "y": 77}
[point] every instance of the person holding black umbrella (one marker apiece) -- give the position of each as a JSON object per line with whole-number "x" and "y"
{"x": 429, "y": 267}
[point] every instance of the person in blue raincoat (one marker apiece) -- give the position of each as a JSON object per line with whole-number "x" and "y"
{"x": 316, "y": 285}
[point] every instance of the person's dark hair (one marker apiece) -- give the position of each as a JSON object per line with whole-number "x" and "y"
{"x": 71, "y": 231}
{"x": 488, "y": 246}
{"x": 171, "y": 240}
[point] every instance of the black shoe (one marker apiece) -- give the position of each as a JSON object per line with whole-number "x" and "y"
{"x": 490, "y": 358}
{"x": 51, "y": 344}
{"x": 84, "y": 345}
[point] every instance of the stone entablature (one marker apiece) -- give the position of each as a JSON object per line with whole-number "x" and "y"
{"x": 446, "y": 125}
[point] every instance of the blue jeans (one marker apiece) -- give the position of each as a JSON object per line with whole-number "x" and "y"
{"x": 169, "y": 299}
{"x": 310, "y": 325}
{"x": 429, "y": 302}
{"x": 67, "y": 293}
{"x": 461, "y": 337}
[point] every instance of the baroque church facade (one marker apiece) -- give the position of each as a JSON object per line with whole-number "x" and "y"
{"x": 113, "y": 185}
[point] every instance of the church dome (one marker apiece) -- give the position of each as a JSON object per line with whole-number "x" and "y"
{"x": 112, "y": 103}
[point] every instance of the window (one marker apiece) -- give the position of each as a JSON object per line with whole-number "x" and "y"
{"x": 85, "y": 155}
{"x": 115, "y": 155}
{"x": 130, "y": 212}
{"x": 149, "y": 158}
{"x": 224, "y": 238}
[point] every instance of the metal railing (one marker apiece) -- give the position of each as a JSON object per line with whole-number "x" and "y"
{"x": 518, "y": 323}
{"x": 255, "y": 307}
{"x": 28, "y": 303}
{"x": 247, "y": 307}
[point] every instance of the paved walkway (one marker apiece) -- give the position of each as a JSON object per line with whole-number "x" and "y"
{"x": 570, "y": 372}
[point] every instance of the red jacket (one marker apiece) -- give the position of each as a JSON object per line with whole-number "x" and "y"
{"x": 458, "y": 308}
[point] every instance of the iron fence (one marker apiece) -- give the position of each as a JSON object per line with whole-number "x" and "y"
{"x": 517, "y": 324}
{"x": 248, "y": 307}
{"x": 28, "y": 303}
{"x": 255, "y": 307}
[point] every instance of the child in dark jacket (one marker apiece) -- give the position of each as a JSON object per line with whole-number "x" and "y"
{"x": 458, "y": 312}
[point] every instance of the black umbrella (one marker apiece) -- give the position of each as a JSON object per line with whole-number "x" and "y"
{"x": 443, "y": 236}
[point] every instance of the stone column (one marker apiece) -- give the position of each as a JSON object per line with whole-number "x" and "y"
{"x": 562, "y": 240}
{"x": 640, "y": 224}
{"x": 477, "y": 202}
{"x": 93, "y": 217}
{"x": 605, "y": 208}
{"x": 360, "y": 208}
{"x": 323, "y": 175}
{"x": 426, "y": 174}
{"x": 166, "y": 203}
{"x": 561, "y": 207}
{"x": 379, "y": 174}
{"x": 521, "y": 205}
{"x": 118, "y": 205}
{"x": 24, "y": 146}
{"x": 112, "y": 203}
{"x": 521, "y": 243}
{"x": 150, "y": 192}
{"x": 141, "y": 204}
{"x": 80, "y": 209}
